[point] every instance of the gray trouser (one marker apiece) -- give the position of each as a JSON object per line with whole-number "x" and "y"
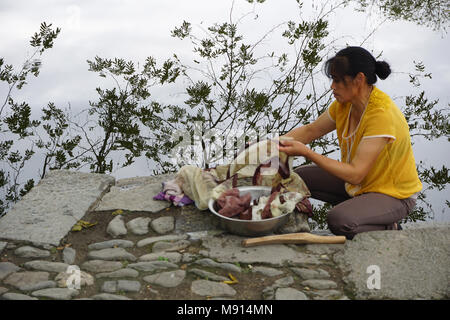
{"x": 352, "y": 215}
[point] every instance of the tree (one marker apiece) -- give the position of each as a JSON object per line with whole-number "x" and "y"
{"x": 58, "y": 144}
{"x": 16, "y": 117}
{"x": 434, "y": 14}
{"x": 225, "y": 92}
{"x": 121, "y": 111}
{"x": 426, "y": 119}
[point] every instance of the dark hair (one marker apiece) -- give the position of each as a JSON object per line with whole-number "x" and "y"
{"x": 352, "y": 60}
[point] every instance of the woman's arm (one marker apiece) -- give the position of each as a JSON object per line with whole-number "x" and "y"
{"x": 353, "y": 172}
{"x": 314, "y": 130}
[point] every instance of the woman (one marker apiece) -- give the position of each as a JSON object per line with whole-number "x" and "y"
{"x": 375, "y": 184}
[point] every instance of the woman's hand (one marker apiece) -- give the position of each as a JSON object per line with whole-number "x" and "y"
{"x": 293, "y": 148}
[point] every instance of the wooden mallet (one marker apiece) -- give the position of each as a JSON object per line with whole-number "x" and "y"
{"x": 297, "y": 238}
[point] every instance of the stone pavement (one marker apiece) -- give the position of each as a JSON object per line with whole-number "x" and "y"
{"x": 184, "y": 256}
{"x": 51, "y": 208}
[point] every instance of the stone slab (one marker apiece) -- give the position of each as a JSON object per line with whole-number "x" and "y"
{"x": 308, "y": 274}
{"x": 31, "y": 252}
{"x": 135, "y": 194}
{"x": 169, "y": 246}
{"x": 69, "y": 255}
{"x": 48, "y": 212}
{"x": 138, "y": 226}
{"x": 206, "y": 262}
{"x": 268, "y": 272}
{"x": 121, "y": 273}
{"x": 230, "y": 249}
{"x": 6, "y": 268}
{"x": 16, "y": 296}
{"x": 49, "y": 266}
{"x": 108, "y": 296}
{"x": 111, "y": 254}
{"x": 117, "y": 243}
{"x": 3, "y": 245}
{"x": 173, "y": 257}
{"x": 101, "y": 266}
{"x": 168, "y": 279}
{"x": 212, "y": 288}
{"x": 207, "y": 275}
{"x": 321, "y": 284}
{"x": 425, "y": 225}
{"x": 163, "y": 225}
{"x": 150, "y": 266}
{"x": 169, "y": 237}
{"x": 19, "y": 280}
{"x": 411, "y": 264}
{"x": 56, "y": 293}
{"x": 116, "y": 227}
{"x": 289, "y": 294}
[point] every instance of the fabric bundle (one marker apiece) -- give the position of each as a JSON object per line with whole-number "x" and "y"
{"x": 232, "y": 205}
{"x": 260, "y": 162}
{"x": 171, "y": 191}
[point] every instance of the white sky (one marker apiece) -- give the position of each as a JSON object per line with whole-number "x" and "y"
{"x": 136, "y": 29}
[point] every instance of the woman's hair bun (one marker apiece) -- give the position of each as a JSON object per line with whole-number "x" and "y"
{"x": 382, "y": 69}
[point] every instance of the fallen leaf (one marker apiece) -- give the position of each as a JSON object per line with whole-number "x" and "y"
{"x": 77, "y": 227}
{"x": 119, "y": 211}
{"x": 64, "y": 246}
{"x": 82, "y": 224}
{"x": 233, "y": 280}
{"x": 232, "y": 277}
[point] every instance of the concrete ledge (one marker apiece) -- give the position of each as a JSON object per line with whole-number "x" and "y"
{"x": 135, "y": 194}
{"x": 48, "y": 212}
{"x": 412, "y": 264}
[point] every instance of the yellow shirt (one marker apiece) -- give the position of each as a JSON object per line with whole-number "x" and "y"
{"x": 394, "y": 172}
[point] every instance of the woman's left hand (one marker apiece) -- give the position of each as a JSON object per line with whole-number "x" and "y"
{"x": 293, "y": 148}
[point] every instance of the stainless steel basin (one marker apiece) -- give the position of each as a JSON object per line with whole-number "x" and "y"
{"x": 250, "y": 227}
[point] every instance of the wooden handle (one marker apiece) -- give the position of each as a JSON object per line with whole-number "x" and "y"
{"x": 299, "y": 238}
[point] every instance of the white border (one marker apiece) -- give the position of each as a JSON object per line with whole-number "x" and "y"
{"x": 381, "y": 136}
{"x": 329, "y": 115}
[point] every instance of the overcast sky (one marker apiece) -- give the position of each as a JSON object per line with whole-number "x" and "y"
{"x": 135, "y": 29}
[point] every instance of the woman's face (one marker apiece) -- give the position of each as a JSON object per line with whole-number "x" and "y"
{"x": 344, "y": 90}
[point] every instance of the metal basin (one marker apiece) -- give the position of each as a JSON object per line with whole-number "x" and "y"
{"x": 250, "y": 227}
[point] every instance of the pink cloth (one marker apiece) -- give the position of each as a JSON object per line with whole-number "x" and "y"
{"x": 172, "y": 192}
{"x": 231, "y": 204}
